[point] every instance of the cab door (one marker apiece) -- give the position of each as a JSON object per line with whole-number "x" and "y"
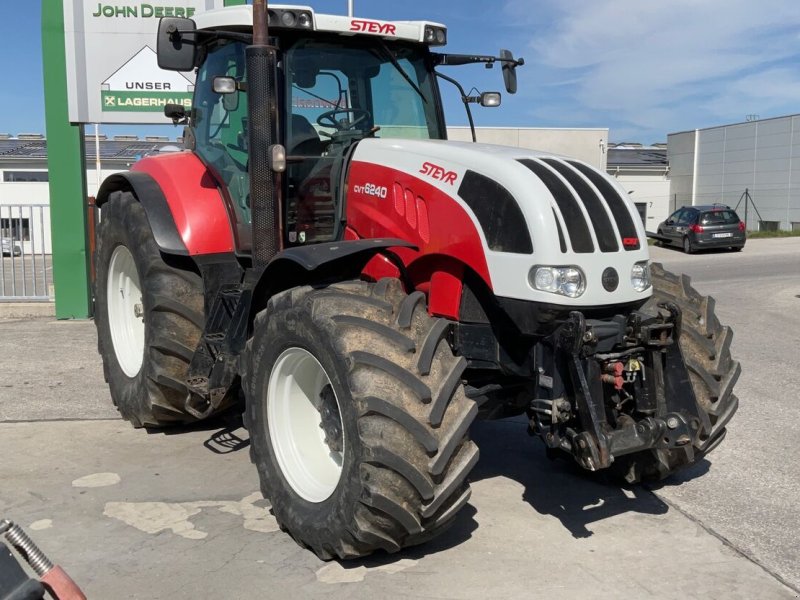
{"x": 219, "y": 128}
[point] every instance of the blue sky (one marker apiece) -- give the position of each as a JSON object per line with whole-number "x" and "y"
{"x": 643, "y": 68}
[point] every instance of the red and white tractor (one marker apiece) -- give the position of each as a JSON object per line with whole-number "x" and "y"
{"x": 366, "y": 289}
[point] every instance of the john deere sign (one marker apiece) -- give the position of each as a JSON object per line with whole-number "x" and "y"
{"x": 146, "y": 11}
{"x": 112, "y": 71}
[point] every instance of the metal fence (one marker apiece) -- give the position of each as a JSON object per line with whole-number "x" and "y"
{"x": 26, "y": 262}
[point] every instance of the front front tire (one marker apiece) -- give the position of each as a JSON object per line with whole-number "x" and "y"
{"x": 378, "y": 394}
{"x": 706, "y": 348}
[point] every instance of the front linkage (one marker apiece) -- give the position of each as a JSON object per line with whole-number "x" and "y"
{"x": 612, "y": 388}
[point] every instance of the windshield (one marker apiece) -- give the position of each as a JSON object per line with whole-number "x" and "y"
{"x": 372, "y": 85}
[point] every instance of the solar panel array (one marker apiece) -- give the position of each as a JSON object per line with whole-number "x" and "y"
{"x": 637, "y": 156}
{"x": 109, "y": 149}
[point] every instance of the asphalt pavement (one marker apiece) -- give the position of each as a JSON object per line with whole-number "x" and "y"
{"x": 749, "y": 491}
{"x": 132, "y": 514}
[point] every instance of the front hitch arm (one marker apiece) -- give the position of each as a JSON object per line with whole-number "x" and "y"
{"x": 678, "y": 421}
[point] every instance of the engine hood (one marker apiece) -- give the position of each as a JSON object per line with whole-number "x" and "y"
{"x": 531, "y": 209}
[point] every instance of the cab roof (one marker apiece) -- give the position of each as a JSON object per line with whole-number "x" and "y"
{"x": 282, "y": 16}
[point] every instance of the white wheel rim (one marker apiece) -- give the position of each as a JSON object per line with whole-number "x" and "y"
{"x": 125, "y": 311}
{"x": 310, "y": 466}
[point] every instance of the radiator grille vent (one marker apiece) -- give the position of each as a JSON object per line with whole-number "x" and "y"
{"x": 599, "y": 199}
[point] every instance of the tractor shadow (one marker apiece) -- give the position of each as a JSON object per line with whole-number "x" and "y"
{"x": 558, "y": 488}
{"x": 702, "y": 251}
{"x": 227, "y": 432}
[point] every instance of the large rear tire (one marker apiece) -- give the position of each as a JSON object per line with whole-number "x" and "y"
{"x": 706, "y": 348}
{"x": 149, "y": 318}
{"x": 358, "y": 419}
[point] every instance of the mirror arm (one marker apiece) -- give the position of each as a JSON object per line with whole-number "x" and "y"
{"x": 215, "y": 35}
{"x": 440, "y": 59}
{"x": 465, "y": 99}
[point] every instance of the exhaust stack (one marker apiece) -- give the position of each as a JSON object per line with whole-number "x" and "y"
{"x": 262, "y": 116}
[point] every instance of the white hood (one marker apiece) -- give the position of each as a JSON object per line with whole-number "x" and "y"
{"x": 552, "y": 193}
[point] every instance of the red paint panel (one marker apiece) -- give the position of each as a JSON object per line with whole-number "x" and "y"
{"x": 451, "y": 231}
{"x": 424, "y": 225}
{"x": 380, "y": 267}
{"x": 445, "y": 295}
{"x": 193, "y": 198}
{"x": 399, "y": 199}
{"x": 411, "y": 210}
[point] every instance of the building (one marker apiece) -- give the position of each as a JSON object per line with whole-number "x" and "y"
{"x": 586, "y": 144}
{"x": 755, "y": 165}
{"x": 24, "y": 192}
{"x": 644, "y": 172}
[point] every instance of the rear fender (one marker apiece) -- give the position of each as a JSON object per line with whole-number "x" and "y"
{"x": 150, "y": 196}
{"x": 183, "y": 204}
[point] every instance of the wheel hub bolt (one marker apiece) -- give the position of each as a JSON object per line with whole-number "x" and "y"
{"x": 673, "y": 422}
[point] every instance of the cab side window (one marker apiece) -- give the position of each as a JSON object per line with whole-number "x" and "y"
{"x": 220, "y": 123}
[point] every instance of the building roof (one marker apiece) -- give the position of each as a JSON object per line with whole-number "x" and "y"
{"x": 637, "y": 157}
{"x": 723, "y": 126}
{"x": 113, "y": 150}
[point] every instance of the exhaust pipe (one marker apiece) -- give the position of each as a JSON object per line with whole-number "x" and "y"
{"x": 262, "y": 116}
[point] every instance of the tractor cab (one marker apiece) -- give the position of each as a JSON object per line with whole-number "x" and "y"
{"x": 339, "y": 80}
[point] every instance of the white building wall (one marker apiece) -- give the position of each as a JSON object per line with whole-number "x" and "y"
{"x": 30, "y": 201}
{"x": 588, "y": 145}
{"x": 680, "y": 157}
{"x": 650, "y": 189}
{"x": 720, "y": 164}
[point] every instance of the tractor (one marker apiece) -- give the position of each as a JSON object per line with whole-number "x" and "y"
{"x": 321, "y": 258}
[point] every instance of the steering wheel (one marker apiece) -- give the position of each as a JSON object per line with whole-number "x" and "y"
{"x": 328, "y": 119}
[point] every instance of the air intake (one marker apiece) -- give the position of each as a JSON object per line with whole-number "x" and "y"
{"x": 498, "y": 214}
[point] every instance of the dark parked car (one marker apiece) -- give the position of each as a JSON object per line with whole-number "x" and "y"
{"x": 699, "y": 227}
{"x": 9, "y": 247}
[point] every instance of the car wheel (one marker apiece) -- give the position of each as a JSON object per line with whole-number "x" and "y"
{"x": 687, "y": 245}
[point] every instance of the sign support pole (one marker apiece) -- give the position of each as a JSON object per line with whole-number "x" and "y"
{"x": 66, "y": 163}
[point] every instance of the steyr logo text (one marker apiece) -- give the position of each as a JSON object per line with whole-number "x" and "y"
{"x": 437, "y": 172}
{"x": 373, "y": 27}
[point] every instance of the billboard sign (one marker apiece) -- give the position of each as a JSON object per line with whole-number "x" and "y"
{"x": 112, "y": 71}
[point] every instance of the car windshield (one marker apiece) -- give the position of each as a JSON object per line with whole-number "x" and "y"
{"x": 719, "y": 217}
{"x": 386, "y": 86}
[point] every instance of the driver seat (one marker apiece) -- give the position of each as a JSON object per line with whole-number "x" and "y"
{"x": 304, "y": 139}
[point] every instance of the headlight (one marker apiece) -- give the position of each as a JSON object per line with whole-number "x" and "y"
{"x": 640, "y": 276}
{"x": 566, "y": 281}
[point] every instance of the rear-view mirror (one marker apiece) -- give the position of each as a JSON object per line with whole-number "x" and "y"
{"x": 509, "y": 71}
{"x": 176, "y": 44}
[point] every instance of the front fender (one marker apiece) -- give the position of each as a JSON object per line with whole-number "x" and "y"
{"x": 304, "y": 265}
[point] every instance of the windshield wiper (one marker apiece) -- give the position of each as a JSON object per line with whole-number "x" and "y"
{"x": 388, "y": 54}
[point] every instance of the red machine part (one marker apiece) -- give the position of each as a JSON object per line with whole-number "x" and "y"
{"x": 194, "y": 200}
{"x": 613, "y": 375}
{"x": 383, "y": 202}
{"x": 61, "y": 586}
